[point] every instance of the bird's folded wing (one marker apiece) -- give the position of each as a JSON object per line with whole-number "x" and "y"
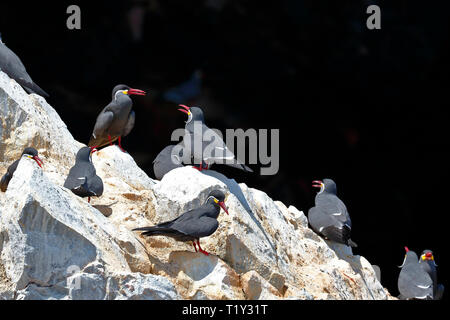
{"x": 215, "y": 148}
{"x": 181, "y": 218}
{"x": 103, "y": 122}
{"x": 334, "y": 208}
{"x": 319, "y": 218}
{"x": 130, "y": 123}
{"x": 201, "y": 227}
{"x": 414, "y": 282}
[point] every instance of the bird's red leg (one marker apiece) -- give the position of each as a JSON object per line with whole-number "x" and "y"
{"x": 89, "y": 199}
{"x": 120, "y": 144}
{"x": 195, "y": 246}
{"x": 109, "y": 138}
{"x": 200, "y": 248}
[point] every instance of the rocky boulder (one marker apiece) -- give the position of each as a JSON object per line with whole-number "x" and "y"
{"x": 55, "y": 245}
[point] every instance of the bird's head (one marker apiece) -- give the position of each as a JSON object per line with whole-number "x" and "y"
{"x": 194, "y": 113}
{"x": 122, "y": 89}
{"x": 84, "y": 154}
{"x": 326, "y": 185}
{"x": 427, "y": 255}
{"x": 410, "y": 256}
{"x": 217, "y": 197}
{"x": 32, "y": 153}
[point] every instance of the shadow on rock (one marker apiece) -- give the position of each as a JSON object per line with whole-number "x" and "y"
{"x": 105, "y": 208}
{"x": 236, "y": 190}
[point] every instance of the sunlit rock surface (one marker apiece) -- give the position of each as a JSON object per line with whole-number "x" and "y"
{"x": 55, "y": 245}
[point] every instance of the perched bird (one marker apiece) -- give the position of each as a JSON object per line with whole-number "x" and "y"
{"x": 329, "y": 217}
{"x": 194, "y": 224}
{"x": 29, "y": 153}
{"x": 167, "y": 160}
{"x": 11, "y": 64}
{"x": 204, "y": 146}
{"x": 413, "y": 281}
{"x": 428, "y": 264}
{"x": 82, "y": 179}
{"x": 117, "y": 119}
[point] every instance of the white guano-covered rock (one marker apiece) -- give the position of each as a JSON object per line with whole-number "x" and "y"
{"x": 28, "y": 120}
{"x": 48, "y": 230}
{"x": 56, "y": 245}
{"x": 270, "y": 239}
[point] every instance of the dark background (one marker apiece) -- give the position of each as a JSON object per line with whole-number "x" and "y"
{"x": 363, "y": 107}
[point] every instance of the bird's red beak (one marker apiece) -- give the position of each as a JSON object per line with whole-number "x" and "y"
{"x": 136, "y": 92}
{"x": 222, "y": 205}
{"x": 93, "y": 149}
{"x": 185, "y": 110}
{"x": 317, "y": 184}
{"x": 406, "y": 249}
{"x": 38, "y": 161}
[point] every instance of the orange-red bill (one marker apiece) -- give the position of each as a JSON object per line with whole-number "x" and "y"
{"x": 182, "y": 110}
{"x": 38, "y": 161}
{"x": 183, "y": 106}
{"x": 137, "y": 92}
{"x": 317, "y": 183}
{"x": 222, "y": 205}
{"x": 93, "y": 149}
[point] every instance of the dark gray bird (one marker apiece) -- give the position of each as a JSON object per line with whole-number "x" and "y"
{"x": 329, "y": 217}
{"x": 117, "y": 119}
{"x": 204, "y": 146}
{"x": 11, "y": 64}
{"x": 167, "y": 160}
{"x": 194, "y": 224}
{"x": 428, "y": 264}
{"x": 413, "y": 281}
{"x": 82, "y": 179}
{"x": 28, "y": 152}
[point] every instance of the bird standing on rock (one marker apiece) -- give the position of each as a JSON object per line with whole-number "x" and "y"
{"x": 329, "y": 217}
{"x": 29, "y": 153}
{"x": 194, "y": 224}
{"x": 166, "y": 161}
{"x": 204, "y": 146}
{"x": 82, "y": 179}
{"x": 11, "y": 64}
{"x": 117, "y": 119}
{"x": 414, "y": 282}
{"x": 428, "y": 264}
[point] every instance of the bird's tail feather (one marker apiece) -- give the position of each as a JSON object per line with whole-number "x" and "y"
{"x": 34, "y": 88}
{"x": 351, "y": 243}
{"x": 100, "y": 142}
{"x": 156, "y": 231}
{"x": 339, "y": 235}
{"x": 346, "y": 237}
{"x": 4, "y": 182}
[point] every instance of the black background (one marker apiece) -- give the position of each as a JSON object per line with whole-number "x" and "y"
{"x": 363, "y": 107}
